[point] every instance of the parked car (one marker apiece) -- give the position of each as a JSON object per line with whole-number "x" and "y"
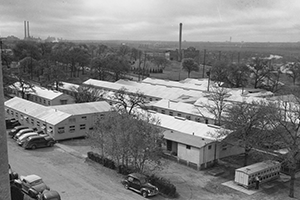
{"x": 22, "y": 132}
{"x": 16, "y": 129}
{"x": 34, "y": 142}
{"x": 49, "y": 195}
{"x": 33, "y": 182}
{"x": 138, "y": 182}
{"x": 12, "y": 175}
{"x": 11, "y": 123}
{"x": 24, "y": 137}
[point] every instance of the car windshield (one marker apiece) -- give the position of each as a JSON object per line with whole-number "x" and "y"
{"x": 36, "y": 182}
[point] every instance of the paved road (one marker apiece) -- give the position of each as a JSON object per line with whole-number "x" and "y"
{"x": 73, "y": 177}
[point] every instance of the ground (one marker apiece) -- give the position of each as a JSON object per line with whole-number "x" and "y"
{"x": 192, "y": 184}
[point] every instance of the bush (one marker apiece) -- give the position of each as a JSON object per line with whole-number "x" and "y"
{"x": 164, "y": 186}
{"x": 122, "y": 169}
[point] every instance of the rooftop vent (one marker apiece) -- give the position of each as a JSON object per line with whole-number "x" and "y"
{"x": 180, "y": 118}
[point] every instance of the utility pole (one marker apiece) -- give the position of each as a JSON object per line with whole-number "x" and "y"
{"x": 144, "y": 66}
{"x": 204, "y": 63}
{"x": 4, "y": 176}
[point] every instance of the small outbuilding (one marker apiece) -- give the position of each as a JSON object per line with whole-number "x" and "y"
{"x": 264, "y": 171}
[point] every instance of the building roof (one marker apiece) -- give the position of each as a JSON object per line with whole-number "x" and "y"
{"x": 68, "y": 86}
{"x": 182, "y": 107}
{"x": 184, "y": 138}
{"x": 43, "y": 113}
{"x": 206, "y": 131}
{"x": 40, "y": 91}
{"x": 258, "y": 166}
{"x": 84, "y": 108}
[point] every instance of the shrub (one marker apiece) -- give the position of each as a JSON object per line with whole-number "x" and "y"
{"x": 122, "y": 169}
{"x": 164, "y": 186}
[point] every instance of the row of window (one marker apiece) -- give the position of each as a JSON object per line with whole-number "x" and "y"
{"x": 189, "y": 147}
{"x": 263, "y": 178}
{"x": 189, "y": 117}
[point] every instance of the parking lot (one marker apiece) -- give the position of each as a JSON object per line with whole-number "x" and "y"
{"x": 65, "y": 169}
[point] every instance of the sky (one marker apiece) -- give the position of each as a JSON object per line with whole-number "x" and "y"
{"x": 157, "y": 20}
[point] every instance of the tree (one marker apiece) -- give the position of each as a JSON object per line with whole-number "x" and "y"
{"x": 189, "y": 65}
{"x": 23, "y": 83}
{"x": 294, "y": 71}
{"x": 127, "y": 101}
{"x": 260, "y": 70}
{"x": 117, "y": 65}
{"x": 130, "y": 140}
{"x": 87, "y": 94}
{"x": 217, "y": 103}
{"x": 237, "y": 75}
{"x": 161, "y": 62}
{"x": 284, "y": 121}
{"x": 246, "y": 121}
{"x": 219, "y": 72}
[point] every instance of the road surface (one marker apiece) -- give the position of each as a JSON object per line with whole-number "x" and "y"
{"x": 73, "y": 177}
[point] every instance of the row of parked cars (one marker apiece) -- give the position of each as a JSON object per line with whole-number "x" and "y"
{"x": 29, "y": 138}
{"x": 32, "y": 186}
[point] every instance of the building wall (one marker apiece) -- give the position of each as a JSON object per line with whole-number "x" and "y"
{"x": 196, "y": 118}
{"x": 188, "y": 153}
{"x": 63, "y": 99}
{"x": 73, "y": 127}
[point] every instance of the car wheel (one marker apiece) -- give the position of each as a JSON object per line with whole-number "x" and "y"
{"x": 145, "y": 194}
{"x": 126, "y": 186}
{"x": 33, "y": 147}
{"x": 50, "y": 144}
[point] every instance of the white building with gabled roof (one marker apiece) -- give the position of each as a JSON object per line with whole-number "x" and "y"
{"x": 194, "y": 144}
{"x": 60, "y": 122}
{"x": 42, "y": 95}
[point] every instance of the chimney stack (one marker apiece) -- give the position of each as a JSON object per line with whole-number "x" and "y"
{"x": 28, "y": 29}
{"x": 25, "y": 32}
{"x": 180, "y": 37}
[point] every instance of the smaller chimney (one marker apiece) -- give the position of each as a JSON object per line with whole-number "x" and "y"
{"x": 25, "y": 32}
{"x": 28, "y": 29}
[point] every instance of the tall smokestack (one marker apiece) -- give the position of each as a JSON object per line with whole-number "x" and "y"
{"x": 25, "y": 32}
{"x": 180, "y": 37}
{"x": 28, "y": 29}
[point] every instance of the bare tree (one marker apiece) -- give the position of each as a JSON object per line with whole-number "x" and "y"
{"x": 246, "y": 122}
{"x": 294, "y": 71}
{"x": 87, "y": 94}
{"x": 260, "y": 70}
{"x": 189, "y": 65}
{"x": 217, "y": 103}
{"x": 285, "y": 123}
{"x": 127, "y": 101}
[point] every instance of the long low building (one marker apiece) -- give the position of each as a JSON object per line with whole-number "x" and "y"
{"x": 61, "y": 122}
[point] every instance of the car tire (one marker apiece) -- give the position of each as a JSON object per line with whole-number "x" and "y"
{"x": 33, "y": 147}
{"x": 145, "y": 194}
{"x": 126, "y": 186}
{"x": 50, "y": 144}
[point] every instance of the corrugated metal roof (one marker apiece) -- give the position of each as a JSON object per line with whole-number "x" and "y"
{"x": 84, "y": 108}
{"x": 68, "y": 86}
{"x": 187, "y": 126}
{"x": 184, "y": 138}
{"x": 40, "y": 91}
{"x": 43, "y": 113}
{"x": 182, "y": 107}
{"x": 258, "y": 166}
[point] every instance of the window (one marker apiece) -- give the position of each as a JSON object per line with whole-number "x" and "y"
{"x": 7, "y": 111}
{"x": 27, "y": 119}
{"x": 38, "y": 123}
{"x": 188, "y": 117}
{"x": 83, "y": 117}
{"x": 171, "y": 113}
{"x": 179, "y": 114}
{"x": 63, "y": 101}
{"x": 72, "y": 128}
{"x": 206, "y": 121}
{"x": 150, "y": 99}
{"x": 188, "y": 147}
{"x": 209, "y": 146}
{"x": 82, "y": 126}
{"x": 163, "y": 111}
{"x": 72, "y": 120}
{"x": 44, "y": 101}
{"x": 197, "y": 119}
{"x": 61, "y": 130}
{"x": 50, "y": 129}
{"x": 12, "y": 112}
{"x": 32, "y": 121}
{"x": 48, "y": 103}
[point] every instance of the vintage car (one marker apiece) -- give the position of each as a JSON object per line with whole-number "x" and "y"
{"x": 24, "y": 137}
{"x": 138, "y": 183}
{"x": 11, "y": 123}
{"x": 38, "y": 141}
{"x": 22, "y": 132}
{"x": 33, "y": 182}
{"x": 15, "y": 130}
